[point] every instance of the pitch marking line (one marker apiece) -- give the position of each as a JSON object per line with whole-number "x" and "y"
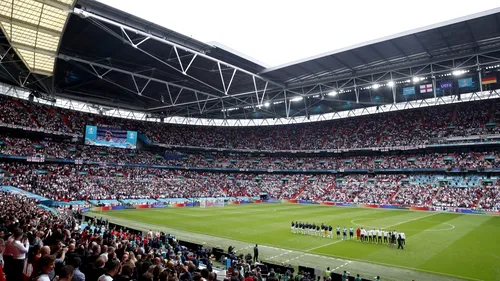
{"x": 334, "y": 242}
{"x": 277, "y": 256}
{"x": 242, "y": 249}
{"x": 298, "y": 257}
{"x": 403, "y": 222}
{"x": 342, "y": 265}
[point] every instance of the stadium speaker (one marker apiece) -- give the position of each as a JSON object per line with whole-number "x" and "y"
{"x": 31, "y": 97}
{"x": 36, "y": 94}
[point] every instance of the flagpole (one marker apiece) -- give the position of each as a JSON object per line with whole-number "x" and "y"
{"x": 433, "y": 77}
{"x": 434, "y": 85}
{"x": 480, "y": 79}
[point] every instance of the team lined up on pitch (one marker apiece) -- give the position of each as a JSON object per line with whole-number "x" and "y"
{"x": 362, "y": 235}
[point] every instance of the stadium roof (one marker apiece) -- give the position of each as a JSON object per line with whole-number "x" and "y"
{"x": 34, "y": 29}
{"x": 115, "y": 59}
{"x": 470, "y": 33}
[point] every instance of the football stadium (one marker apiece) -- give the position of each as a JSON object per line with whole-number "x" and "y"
{"x": 132, "y": 152}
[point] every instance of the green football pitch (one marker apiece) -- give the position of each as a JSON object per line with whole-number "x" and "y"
{"x": 440, "y": 246}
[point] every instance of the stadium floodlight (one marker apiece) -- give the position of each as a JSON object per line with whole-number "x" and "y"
{"x": 458, "y": 72}
{"x": 267, "y": 104}
{"x": 390, "y": 83}
{"x": 416, "y": 79}
{"x": 376, "y": 86}
{"x": 333, "y": 93}
{"x": 296, "y": 99}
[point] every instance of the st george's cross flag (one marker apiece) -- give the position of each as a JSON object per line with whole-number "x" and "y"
{"x": 426, "y": 88}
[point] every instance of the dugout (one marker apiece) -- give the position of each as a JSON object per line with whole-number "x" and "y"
{"x": 264, "y": 196}
{"x": 338, "y": 277}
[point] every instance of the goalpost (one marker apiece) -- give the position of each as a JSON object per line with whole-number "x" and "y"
{"x": 211, "y": 202}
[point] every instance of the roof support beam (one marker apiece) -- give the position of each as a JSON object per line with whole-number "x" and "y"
{"x": 342, "y": 63}
{"x": 56, "y": 4}
{"x": 392, "y": 68}
{"x": 378, "y": 53}
{"x": 165, "y": 41}
{"x": 444, "y": 39}
{"x": 476, "y": 47}
{"x": 69, "y": 58}
{"x": 422, "y": 45}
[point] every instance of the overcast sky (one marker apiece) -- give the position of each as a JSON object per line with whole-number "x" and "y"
{"x": 277, "y": 32}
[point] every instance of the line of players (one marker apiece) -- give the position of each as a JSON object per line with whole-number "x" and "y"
{"x": 313, "y": 229}
{"x": 362, "y": 235}
{"x": 380, "y": 236}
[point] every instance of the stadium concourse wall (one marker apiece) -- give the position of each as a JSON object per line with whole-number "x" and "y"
{"x": 309, "y": 202}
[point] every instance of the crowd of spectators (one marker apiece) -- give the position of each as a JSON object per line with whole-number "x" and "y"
{"x": 37, "y": 244}
{"x": 404, "y": 128}
{"x": 458, "y": 197}
{"x": 490, "y": 198}
{"x": 67, "y": 150}
{"x": 95, "y": 182}
{"x": 41, "y": 244}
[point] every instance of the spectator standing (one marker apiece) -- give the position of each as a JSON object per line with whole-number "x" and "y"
{"x": 112, "y": 268}
{"x": 45, "y": 265}
{"x": 256, "y": 253}
{"x": 76, "y": 262}
{"x": 66, "y": 273}
{"x": 2, "y": 248}
{"x": 17, "y": 245}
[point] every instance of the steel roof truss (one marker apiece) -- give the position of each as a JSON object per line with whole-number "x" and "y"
{"x": 86, "y": 14}
{"x": 139, "y": 92}
{"x": 422, "y": 46}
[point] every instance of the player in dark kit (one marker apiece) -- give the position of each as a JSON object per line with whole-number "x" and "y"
{"x": 338, "y": 232}
{"x": 400, "y": 242}
{"x": 351, "y": 233}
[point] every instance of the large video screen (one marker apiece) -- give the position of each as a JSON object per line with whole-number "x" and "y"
{"x": 103, "y": 136}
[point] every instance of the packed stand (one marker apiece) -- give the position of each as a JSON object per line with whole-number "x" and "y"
{"x": 39, "y": 245}
{"x": 466, "y": 197}
{"x": 405, "y": 128}
{"x": 67, "y": 150}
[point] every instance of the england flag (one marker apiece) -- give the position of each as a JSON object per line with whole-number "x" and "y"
{"x": 426, "y": 88}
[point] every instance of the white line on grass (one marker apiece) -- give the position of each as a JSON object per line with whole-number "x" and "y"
{"x": 277, "y": 256}
{"x": 297, "y": 257}
{"x": 242, "y": 249}
{"x": 403, "y": 222}
{"x": 342, "y": 265}
{"x": 334, "y": 242}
